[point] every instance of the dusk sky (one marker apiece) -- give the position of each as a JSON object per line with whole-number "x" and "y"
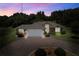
{"x": 10, "y": 8}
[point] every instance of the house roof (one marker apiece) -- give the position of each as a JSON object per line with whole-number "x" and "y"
{"x": 38, "y": 25}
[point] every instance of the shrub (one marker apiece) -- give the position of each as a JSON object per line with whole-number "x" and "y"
{"x": 40, "y": 52}
{"x": 75, "y": 37}
{"x": 20, "y": 35}
{"x": 47, "y": 34}
{"x": 63, "y": 32}
{"x": 60, "y": 52}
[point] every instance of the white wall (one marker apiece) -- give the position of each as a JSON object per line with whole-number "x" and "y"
{"x": 47, "y": 28}
{"x": 21, "y": 31}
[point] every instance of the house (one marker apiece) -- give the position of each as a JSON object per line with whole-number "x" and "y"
{"x": 37, "y": 29}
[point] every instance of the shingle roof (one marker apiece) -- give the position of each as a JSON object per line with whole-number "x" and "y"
{"x": 38, "y": 25}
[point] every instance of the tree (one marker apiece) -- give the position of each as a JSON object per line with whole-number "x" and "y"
{"x": 17, "y": 19}
{"x": 3, "y": 20}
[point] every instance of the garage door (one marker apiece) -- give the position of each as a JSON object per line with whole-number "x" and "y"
{"x": 35, "y": 32}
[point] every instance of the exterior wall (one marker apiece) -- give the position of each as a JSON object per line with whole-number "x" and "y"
{"x": 26, "y": 35}
{"x": 47, "y": 29}
{"x": 21, "y": 30}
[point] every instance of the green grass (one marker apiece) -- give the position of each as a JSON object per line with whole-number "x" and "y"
{"x": 63, "y": 35}
{"x": 58, "y": 33}
{"x": 7, "y": 35}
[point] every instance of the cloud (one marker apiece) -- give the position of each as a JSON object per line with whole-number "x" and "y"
{"x": 8, "y": 11}
{"x": 28, "y": 12}
{"x": 28, "y": 8}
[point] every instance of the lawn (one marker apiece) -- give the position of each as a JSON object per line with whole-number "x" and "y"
{"x": 63, "y": 35}
{"x": 7, "y": 35}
